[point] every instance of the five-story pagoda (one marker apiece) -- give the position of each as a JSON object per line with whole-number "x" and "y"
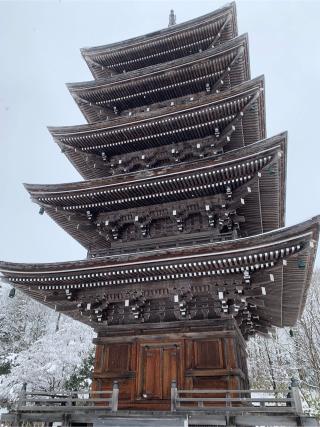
{"x": 181, "y": 211}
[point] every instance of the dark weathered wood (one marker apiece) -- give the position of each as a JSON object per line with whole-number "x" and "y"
{"x": 214, "y": 69}
{"x": 230, "y": 121}
{"x": 191, "y": 35}
{"x": 181, "y": 214}
{"x": 160, "y": 359}
{"x": 208, "y": 200}
{"x": 190, "y": 283}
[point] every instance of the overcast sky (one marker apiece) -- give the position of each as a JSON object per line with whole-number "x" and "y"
{"x": 39, "y": 48}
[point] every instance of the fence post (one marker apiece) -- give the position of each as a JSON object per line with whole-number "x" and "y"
{"x": 69, "y": 399}
{"x": 22, "y": 396}
{"x": 174, "y": 395}
{"x": 228, "y": 401}
{"x": 296, "y": 396}
{"x": 21, "y": 402}
{"x": 115, "y": 396}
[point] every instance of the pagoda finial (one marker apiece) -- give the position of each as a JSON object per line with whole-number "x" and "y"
{"x": 172, "y": 18}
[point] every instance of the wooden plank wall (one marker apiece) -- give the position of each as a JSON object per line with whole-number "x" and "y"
{"x": 146, "y": 366}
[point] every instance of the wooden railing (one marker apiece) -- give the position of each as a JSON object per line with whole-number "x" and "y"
{"x": 70, "y": 405}
{"x": 236, "y": 401}
{"x": 68, "y": 401}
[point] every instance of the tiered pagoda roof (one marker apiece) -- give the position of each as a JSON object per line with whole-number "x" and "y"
{"x": 262, "y": 281}
{"x": 206, "y": 125}
{"x": 165, "y": 45}
{"x": 243, "y": 189}
{"x": 211, "y": 71}
{"x": 183, "y": 205}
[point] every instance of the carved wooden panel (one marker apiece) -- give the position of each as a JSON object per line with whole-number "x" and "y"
{"x": 117, "y": 357}
{"x": 160, "y": 156}
{"x": 168, "y": 219}
{"x": 208, "y": 354}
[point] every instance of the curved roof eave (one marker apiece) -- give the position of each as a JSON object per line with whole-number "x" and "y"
{"x": 161, "y": 67}
{"x": 96, "y": 50}
{"x": 119, "y": 122}
{"x": 307, "y": 228}
{"x": 158, "y": 173}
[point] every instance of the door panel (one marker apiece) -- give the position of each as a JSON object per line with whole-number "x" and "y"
{"x": 159, "y": 369}
{"x": 169, "y": 370}
{"x": 152, "y": 378}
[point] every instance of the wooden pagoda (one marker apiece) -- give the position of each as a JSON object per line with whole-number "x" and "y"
{"x": 181, "y": 212}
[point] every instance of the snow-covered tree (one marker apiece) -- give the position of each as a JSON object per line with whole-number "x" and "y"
{"x": 291, "y": 353}
{"x": 38, "y": 346}
{"x": 22, "y": 322}
{"x": 50, "y": 360}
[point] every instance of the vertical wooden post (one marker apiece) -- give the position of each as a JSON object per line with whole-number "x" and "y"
{"x": 22, "y": 396}
{"x": 296, "y": 396}
{"x": 21, "y": 402}
{"x": 68, "y": 399}
{"x": 174, "y": 395}
{"x": 228, "y": 397}
{"x": 66, "y": 420}
{"x": 115, "y": 396}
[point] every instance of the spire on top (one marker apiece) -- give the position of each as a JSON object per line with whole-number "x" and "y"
{"x": 172, "y": 18}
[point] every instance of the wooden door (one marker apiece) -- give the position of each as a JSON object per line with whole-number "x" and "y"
{"x": 160, "y": 368}
{"x": 152, "y": 377}
{"x": 169, "y": 370}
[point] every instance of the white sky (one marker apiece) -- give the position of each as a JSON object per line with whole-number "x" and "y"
{"x": 39, "y": 52}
